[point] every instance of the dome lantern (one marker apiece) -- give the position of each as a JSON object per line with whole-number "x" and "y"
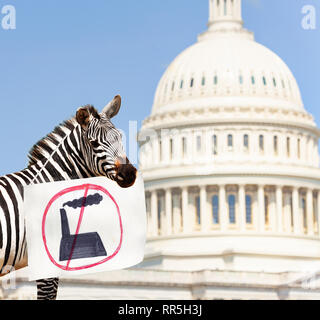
{"x": 225, "y": 14}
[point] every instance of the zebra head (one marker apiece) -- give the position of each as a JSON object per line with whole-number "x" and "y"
{"x": 101, "y": 144}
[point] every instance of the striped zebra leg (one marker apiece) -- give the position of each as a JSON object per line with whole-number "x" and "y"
{"x": 47, "y": 289}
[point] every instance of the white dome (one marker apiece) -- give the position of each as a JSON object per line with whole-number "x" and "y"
{"x": 230, "y": 154}
{"x": 231, "y": 68}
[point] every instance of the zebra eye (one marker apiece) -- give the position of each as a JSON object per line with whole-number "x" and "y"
{"x": 95, "y": 143}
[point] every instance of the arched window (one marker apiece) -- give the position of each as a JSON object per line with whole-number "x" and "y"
{"x": 215, "y": 80}
{"x": 199, "y": 144}
{"x": 275, "y": 145}
{"x": 274, "y": 82}
{"x": 171, "y": 149}
{"x": 203, "y": 81}
{"x": 184, "y": 147}
{"x": 230, "y": 141}
{"x": 253, "y": 81}
{"x": 246, "y": 142}
{"x": 266, "y": 210}
{"x": 198, "y": 215}
{"x": 261, "y": 143}
{"x": 181, "y": 84}
{"x": 191, "y": 83}
{"x": 214, "y": 144}
{"x": 248, "y": 209}
{"x": 264, "y": 80}
{"x": 159, "y": 213}
{"x": 241, "y": 79}
{"x": 160, "y": 150}
{"x": 215, "y": 209}
{"x": 315, "y": 212}
{"x": 291, "y": 210}
{"x": 299, "y": 148}
{"x": 232, "y": 208}
{"x": 288, "y": 146}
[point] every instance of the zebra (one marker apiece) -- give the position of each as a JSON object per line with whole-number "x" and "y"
{"x": 87, "y": 145}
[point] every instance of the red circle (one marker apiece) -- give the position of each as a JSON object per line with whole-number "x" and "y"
{"x": 57, "y": 196}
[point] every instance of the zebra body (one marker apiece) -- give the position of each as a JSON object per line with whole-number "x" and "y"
{"x": 85, "y": 146}
{"x": 12, "y": 232}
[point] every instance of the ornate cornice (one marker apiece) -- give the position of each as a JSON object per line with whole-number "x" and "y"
{"x": 223, "y": 115}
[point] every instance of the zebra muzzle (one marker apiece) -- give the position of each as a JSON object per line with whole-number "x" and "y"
{"x": 126, "y": 175}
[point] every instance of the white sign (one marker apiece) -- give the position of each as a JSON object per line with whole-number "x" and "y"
{"x": 84, "y": 226}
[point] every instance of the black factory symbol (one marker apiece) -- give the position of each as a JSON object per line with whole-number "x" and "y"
{"x": 81, "y": 245}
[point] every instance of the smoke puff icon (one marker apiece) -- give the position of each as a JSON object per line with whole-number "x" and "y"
{"x": 84, "y": 201}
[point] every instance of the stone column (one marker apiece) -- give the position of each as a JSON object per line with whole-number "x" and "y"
{"x": 185, "y": 215}
{"x": 223, "y": 208}
{"x": 208, "y": 147}
{"x": 279, "y": 208}
{"x": 229, "y": 8}
{"x": 309, "y": 204}
{"x": 168, "y": 211}
{"x": 297, "y": 225}
{"x": 261, "y": 219}
{"x": 242, "y": 207}
{"x": 154, "y": 213}
{"x": 177, "y": 142}
{"x": 221, "y": 9}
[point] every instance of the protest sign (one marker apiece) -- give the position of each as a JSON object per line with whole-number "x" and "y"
{"x": 84, "y": 226}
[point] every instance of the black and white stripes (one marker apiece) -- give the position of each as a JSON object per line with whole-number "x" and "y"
{"x": 85, "y": 146}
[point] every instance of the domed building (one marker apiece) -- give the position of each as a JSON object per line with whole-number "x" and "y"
{"x": 231, "y": 174}
{"x": 230, "y": 161}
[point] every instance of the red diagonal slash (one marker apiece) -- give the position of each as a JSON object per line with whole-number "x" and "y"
{"x": 79, "y": 224}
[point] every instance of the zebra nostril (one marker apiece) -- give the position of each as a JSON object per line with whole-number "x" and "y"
{"x": 120, "y": 176}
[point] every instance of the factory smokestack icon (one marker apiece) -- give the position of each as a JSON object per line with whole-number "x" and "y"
{"x": 81, "y": 245}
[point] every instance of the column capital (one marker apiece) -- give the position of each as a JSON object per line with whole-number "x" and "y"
{"x": 309, "y": 190}
{"x": 295, "y": 188}
{"x": 184, "y": 188}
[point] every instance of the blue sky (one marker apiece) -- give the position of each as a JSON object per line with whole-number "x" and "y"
{"x": 64, "y": 54}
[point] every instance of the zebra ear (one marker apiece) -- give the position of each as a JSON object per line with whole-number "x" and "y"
{"x": 83, "y": 117}
{"x": 113, "y": 107}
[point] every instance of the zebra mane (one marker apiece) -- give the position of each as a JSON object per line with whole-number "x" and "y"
{"x": 49, "y": 143}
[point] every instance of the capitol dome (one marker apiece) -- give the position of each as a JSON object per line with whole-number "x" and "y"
{"x": 230, "y": 158}
{"x": 227, "y": 74}
{"x": 224, "y": 67}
